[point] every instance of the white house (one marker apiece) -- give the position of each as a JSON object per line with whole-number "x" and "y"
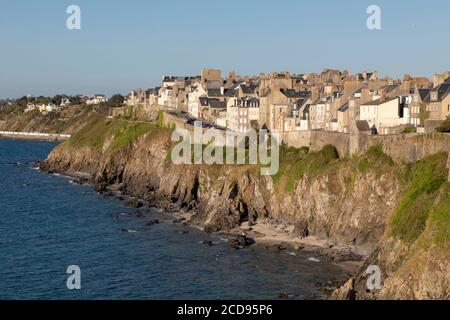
{"x": 64, "y": 102}
{"x": 384, "y": 113}
{"x": 193, "y": 100}
{"x": 96, "y": 99}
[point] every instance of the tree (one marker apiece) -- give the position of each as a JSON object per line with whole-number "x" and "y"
{"x": 116, "y": 100}
{"x": 57, "y": 99}
{"x": 445, "y": 127}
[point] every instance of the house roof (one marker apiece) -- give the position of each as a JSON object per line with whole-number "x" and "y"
{"x": 389, "y": 87}
{"x": 443, "y": 90}
{"x": 343, "y": 108}
{"x": 169, "y": 79}
{"x": 379, "y": 101}
{"x": 423, "y": 93}
{"x": 214, "y": 93}
{"x": 204, "y": 101}
{"x": 248, "y": 89}
{"x": 231, "y": 92}
{"x": 291, "y": 93}
{"x": 301, "y": 102}
{"x": 216, "y": 104}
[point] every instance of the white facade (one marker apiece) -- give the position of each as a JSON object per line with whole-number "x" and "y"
{"x": 384, "y": 114}
{"x": 193, "y": 101}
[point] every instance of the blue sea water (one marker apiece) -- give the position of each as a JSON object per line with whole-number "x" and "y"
{"x": 48, "y": 224}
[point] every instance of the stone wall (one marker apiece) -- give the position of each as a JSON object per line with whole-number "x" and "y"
{"x": 400, "y": 147}
{"x": 340, "y": 141}
{"x": 296, "y": 139}
{"x": 408, "y": 147}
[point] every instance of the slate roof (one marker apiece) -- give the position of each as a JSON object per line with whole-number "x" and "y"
{"x": 443, "y": 90}
{"x": 343, "y": 108}
{"x": 423, "y": 93}
{"x": 216, "y": 104}
{"x": 231, "y": 92}
{"x": 291, "y": 93}
{"x": 214, "y": 93}
{"x": 379, "y": 101}
{"x": 300, "y": 102}
{"x": 204, "y": 101}
{"x": 169, "y": 79}
{"x": 248, "y": 89}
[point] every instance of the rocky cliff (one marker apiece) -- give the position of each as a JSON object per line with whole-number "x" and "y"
{"x": 349, "y": 200}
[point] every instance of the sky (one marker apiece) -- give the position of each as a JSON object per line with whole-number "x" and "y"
{"x": 123, "y": 45}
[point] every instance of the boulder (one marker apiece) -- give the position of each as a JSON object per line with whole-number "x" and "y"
{"x": 137, "y": 214}
{"x": 133, "y": 203}
{"x": 241, "y": 242}
{"x": 152, "y": 222}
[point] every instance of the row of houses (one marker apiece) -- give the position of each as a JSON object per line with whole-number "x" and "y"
{"x": 65, "y": 101}
{"x": 46, "y": 107}
{"x": 283, "y": 102}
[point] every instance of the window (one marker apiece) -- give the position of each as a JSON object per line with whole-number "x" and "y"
{"x": 448, "y": 108}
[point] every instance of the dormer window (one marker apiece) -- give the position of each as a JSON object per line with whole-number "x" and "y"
{"x": 434, "y": 96}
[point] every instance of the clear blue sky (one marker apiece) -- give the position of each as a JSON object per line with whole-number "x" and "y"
{"x": 131, "y": 44}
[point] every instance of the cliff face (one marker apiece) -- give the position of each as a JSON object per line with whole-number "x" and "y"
{"x": 349, "y": 201}
{"x": 327, "y": 205}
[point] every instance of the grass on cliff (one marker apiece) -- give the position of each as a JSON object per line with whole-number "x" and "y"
{"x": 420, "y": 204}
{"x": 127, "y": 134}
{"x": 375, "y": 160}
{"x": 295, "y": 163}
{"x": 98, "y": 129}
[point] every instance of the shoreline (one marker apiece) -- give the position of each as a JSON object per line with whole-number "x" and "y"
{"x": 276, "y": 237}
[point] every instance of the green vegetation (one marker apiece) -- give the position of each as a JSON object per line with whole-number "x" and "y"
{"x": 98, "y": 129}
{"x": 127, "y": 134}
{"x": 410, "y": 130}
{"x": 445, "y": 127}
{"x": 93, "y": 134}
{"x": 295, "y": 163}
{"x": 376, "y": 160}
{"x": 116, "y": 100}
{"x": 160, "y": 120}
{"x": 427, "y": 177}
{"x": 439, "y": 219}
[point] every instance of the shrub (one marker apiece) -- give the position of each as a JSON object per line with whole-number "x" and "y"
{"x": 445, "y": 127}
{"x": 410, "y": 218}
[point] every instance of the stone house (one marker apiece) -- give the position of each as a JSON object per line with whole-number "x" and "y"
{"x": 439, "y": 101}
{"x": 243, "y": 114}
{"x": 196, "y": 91}
{"x": 317, "y": 112}
{"x": 418, "y": 107}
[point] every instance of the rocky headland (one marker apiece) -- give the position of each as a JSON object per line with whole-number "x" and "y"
{"x": 365, "y": 208}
